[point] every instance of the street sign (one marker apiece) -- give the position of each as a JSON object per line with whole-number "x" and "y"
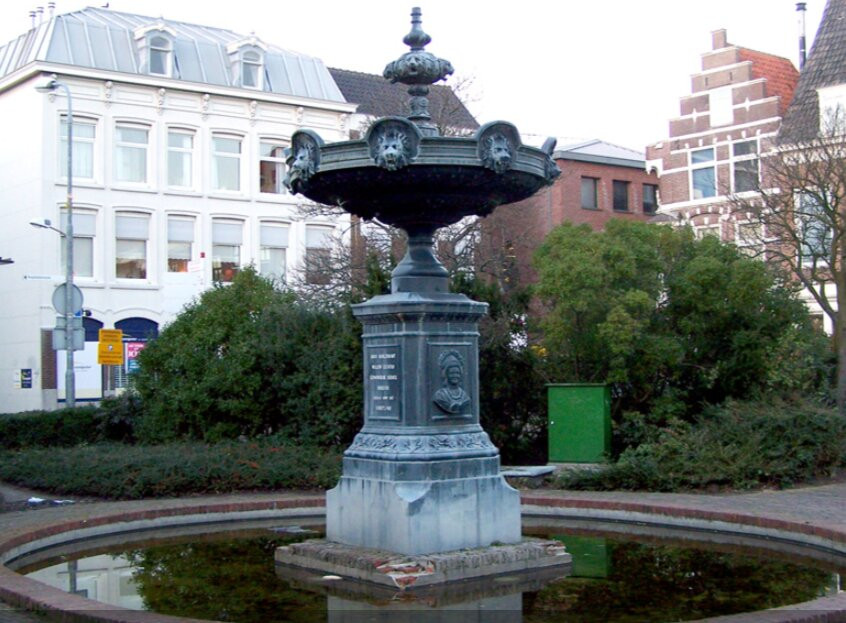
{"x": 110, "y": 348}
{"x": 77, "y": 335}
{"x": 59, "y": 300}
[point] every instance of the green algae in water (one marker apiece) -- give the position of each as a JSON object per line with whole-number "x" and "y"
{"x": 613, "y": 580}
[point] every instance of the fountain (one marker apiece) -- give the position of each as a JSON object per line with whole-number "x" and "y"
{"x": 421, "y": 478}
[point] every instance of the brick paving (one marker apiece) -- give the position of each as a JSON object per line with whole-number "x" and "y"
{"x": 818, "y": 510}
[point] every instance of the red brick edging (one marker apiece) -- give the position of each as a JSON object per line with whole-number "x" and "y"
{"x": 25, "y": 593}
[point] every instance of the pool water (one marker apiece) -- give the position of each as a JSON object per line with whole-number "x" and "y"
{"x": 613, "y": 579}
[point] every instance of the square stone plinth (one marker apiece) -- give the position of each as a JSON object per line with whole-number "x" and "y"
{"x": 406, "y": 572}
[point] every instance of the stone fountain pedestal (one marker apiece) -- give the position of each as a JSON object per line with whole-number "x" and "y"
{"x": 421, "y": 476}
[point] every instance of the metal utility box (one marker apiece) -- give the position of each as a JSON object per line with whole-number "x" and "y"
{"x": 579, "y": 422}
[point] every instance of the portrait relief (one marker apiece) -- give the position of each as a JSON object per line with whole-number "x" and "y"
{"x": 451, "y": 398}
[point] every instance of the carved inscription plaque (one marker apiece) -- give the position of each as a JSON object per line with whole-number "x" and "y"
{"x": 383, "y": 373}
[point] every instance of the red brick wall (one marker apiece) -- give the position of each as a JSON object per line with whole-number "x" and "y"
{"x": 517, "y": 229}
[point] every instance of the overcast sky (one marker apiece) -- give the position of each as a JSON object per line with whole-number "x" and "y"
{"x": 608, "y": 69}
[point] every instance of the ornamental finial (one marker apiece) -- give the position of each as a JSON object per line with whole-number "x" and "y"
{"x": 418, "y": 69}
{"x": 416, "y": 39}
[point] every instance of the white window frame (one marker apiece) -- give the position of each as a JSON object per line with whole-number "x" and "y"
{"x": 191, "y": 153}
{"x": 699, "y": 166}
{"x": 749, "y": 246}
{"x": 214, "y": 180}
{"x": 227, "y": 236}
{"x": 278, "y": 238}
{"x": 807, "y": 259}
{"x": 78, "y": 139}
{"x": 276, "y": 162}
{"x": 167, "y": 51}
{"x": 735, "y": 160}
{"x": 129, "y": 213}
{"x": 721, "y": 106}
{"x": 311, "y": 238}
{"x": 258, "y": 64}
{"x": 118, "y": 144}
{"x": 701, "y": 232}
{"x": 187, "y": 234}
{"x": 85, "y": 221}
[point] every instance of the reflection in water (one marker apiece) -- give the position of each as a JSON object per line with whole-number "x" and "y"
{"x": 612, "y": 580}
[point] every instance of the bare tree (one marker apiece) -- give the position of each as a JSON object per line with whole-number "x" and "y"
{"x": 796, "y": 218}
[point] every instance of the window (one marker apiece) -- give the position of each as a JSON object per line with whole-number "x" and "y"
{"x": 621, "y": 196}
{"x": 708, "y": 230}
{"x": 180, "y": 158}
{"x": 589, "y": 185}
{"x": 180, "y": 240}
{"x": 274, "y": 247}
{"x": 84, "y": 228}
{"x": 160, "y": 55}
{"x": 748, "y": 238}
{"x": 272, "y": 167}
{"x": 745, "y": 166}
{"x": 131, "y": 234}
{"x": 84, "y": 132}
{"x": 703, "y": 173}
{"x": 318, "y": 254}
{"x": 720, "y": 107}
{"x": 650, "y": 198}
{"x": 226, "y": 163}
{"x": 227, "y": 237}
{"x": 251, "y": 70}
{"x": 815, "y": 232}
{"x": 131, "y": 153}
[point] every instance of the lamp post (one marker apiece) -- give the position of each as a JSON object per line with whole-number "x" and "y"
{"x": 70, "y": 376}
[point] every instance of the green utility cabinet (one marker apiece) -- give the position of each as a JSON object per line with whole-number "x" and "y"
{"x": 579, "y": 422}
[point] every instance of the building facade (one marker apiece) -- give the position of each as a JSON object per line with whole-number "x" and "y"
{"x": 179, "y": 132}
{"x": 733, "y": 113}
{"x": 599, "y": 181}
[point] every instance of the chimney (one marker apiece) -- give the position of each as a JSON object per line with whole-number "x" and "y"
{"x": 718, "y": 39}
{"x": 40, "y": 11}
{"x": 800, "y": 9}
{"x": 51, "y": 6}
{"x": 32, "y": 15}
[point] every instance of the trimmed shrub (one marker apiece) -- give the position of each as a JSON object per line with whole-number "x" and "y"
{"x": 64, "y": 427}
{"x": 117, "y": 471}
{"x": 740, "y": 445}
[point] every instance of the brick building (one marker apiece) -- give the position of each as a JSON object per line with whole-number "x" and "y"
{"x": 599, "y": 181}
{"x": 734, "y": 111}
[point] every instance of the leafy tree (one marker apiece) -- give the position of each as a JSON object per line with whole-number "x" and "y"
{"x": 670, "y": 322}
{"x": 246, "y": 359}
{"x": 512, "y": 408}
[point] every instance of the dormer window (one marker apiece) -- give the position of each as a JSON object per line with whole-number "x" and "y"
{"x": 161, "y": 51}
{"x": 251, "y": 70}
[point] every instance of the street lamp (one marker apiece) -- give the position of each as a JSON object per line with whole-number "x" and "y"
{"x": 70, "y": 378}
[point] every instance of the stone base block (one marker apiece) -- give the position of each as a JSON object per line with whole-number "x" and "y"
{"x": 405, "y": 572}
{"x": 423, "y": 517}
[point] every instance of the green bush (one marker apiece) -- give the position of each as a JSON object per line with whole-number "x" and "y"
{"x": 246, "y": 359}
{"x": 740, "y": 445}
{"x": 117, "y": 471}
{"x": 64, "y": 427}
{"x": 665, "y": 318}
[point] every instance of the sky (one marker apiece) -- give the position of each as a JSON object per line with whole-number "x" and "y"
{"x": 577, "y": 69}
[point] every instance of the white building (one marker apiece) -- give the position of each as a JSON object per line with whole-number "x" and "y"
{"x": 178, "y": 138}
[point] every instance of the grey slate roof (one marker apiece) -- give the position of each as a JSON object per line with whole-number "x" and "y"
{"x": 825, "y": 66}
{"x": 601, "y": 152}
{"x": 378, "y": 97}
{"x": 104, "y": 39}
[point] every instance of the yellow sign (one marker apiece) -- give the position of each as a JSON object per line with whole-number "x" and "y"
{"x": 110, "y": 348}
